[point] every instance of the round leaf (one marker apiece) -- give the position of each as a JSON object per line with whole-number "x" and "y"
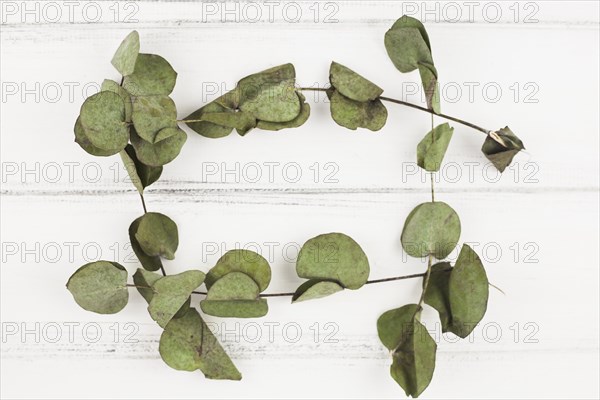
{"x": 187, "y": 344}
{"x": 431, "y": 150}
{"x": 296, "y": 122}
{"x": 157, "y": 235}
{"x": 468, "y": 292}
{"x": 170, "y": 293}
{"x": 151, "y": 114}
{"x": 82, "y": 140}
{"x": 169, "y": 143}
{"x": 205, "y": 128}
{"x": 407, "y": 48}
{"x": 151, "y": 263}
{"x": 437, "y": 293}
{"x": 112, "y": 86}
{"x": 103, "y": 119}
{"x": 352, "y": 114}
{"x": 127, "y": 53}
{"x": 336, "y": 257}
{"x": 431, "y": 229}
{"x": 234, "y": 286}
{"x": 152, "y": 75}
{"x": 315, "y": 289}
{"x": 352, "y": 85}
{"x": 141, "y": 175}
{"x": 100, "y": 287}
{"x": 274, "y": 103}
{"x": 235, "y": 308}
{"x": 250, "y": 263}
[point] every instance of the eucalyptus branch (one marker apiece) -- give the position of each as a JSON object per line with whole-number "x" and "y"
{"x": 411, "y": 105}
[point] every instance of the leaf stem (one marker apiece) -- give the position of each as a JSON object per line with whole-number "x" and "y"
{"x": 289, "y": 294}
{"x": 143, "y": 203}
{"x": 416, "y": 107}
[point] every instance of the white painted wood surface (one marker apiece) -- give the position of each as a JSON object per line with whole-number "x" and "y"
{"x": 537, "y": 226}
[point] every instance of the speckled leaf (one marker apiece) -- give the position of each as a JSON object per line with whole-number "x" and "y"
{"x": 239, "y": 120}
{"x": 82, "y": 140}
{"x": 127, "y": 53}
{"x": 152, "y": 75}
{"x": 151, "y": 114}
{"x": 409, "y": 22}
{"x": 112, "y": 86}
{"x": 352, "y": 114}
{"x": 437, "y": 293}
{"x": 431, "y": 150}
{"x": 315, "y": 289}
{"x": 431, "y": 228}
{"x": 407, "y": 48}
{"x": 145, "y": 279}
{"x": 150, "y": 263}
{"x": 352, "y": 85}
{"x": 157, "y": 235}
{"x": 100, "y": 287}
{"x": 169, "y": 143}
{"x": 429, "y": 78}
{"x": 187, "y": 344}
{"x": 250, "y": 263}
{"x": 295, "y": 123}
{"x": 141, "y": 175}
{"x": 170, "y": 293}
{"x": 205, "y": 128}
{"x": 235, "y": 308}
{"x": 103, "y": 119}
{"x": 468, "y": 292}
{"x": 273, "y": 103}
{"x": 251, "y": 86}
{"x": 407, "y": 44}
{"x": 335, "y": 257}
{"x": 501, "y": 147}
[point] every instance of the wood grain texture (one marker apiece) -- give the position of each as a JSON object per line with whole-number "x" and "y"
{"x": 536, "y": 226}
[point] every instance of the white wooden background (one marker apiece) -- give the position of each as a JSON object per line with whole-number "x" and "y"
{"x": 537, "y": 226}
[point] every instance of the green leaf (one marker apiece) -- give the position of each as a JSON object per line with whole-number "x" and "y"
{"x": 431, "y": 229}
{"x": 437, "y": 293}
{"x": 315, "y": 289}
{"x": 112, "y": 86}
{"x": 141, "y": 175}
{"x": 151, "y": 263}
{"x": 409, "y": 22}
{"x": 250, "y": 87}
{"x": 151, "y": 114}
{"x": 239, "y": 120}
{"x": 103, "y": 119}
{"x": 414, "y": 361}
{"x": 431, "y": 150}
{"x": 273, "y": 103}
{"x": 250, "y": 263}
{"x": 205, "y": 128}
{"x": 295, "y": 123}
{"x": 234, "y": 295}
{"x": 152, "y": 76}
{"x": 169, "y": 143}
{"x": 407, "y": 45}
{"x": 187, "y": 344}
{"x": 157, "y": 235}
{"x": 335, "y": 257}
{"x": 170, "y": 293}
{"x": 413, "y": 349}
{"x": 127, "y": 53}
{"x": 100, "y": 287}
{"x": 144, "y": 280}
{"x": 501, "y": 147}
{"x": 468, "y": 292}
{"x": 352, "y": 85}
{"x": 82, "y": 140}
{"x": 352, "y": 114}
{"x": 430, "y": 86}
{"x": 394, "y": 325}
